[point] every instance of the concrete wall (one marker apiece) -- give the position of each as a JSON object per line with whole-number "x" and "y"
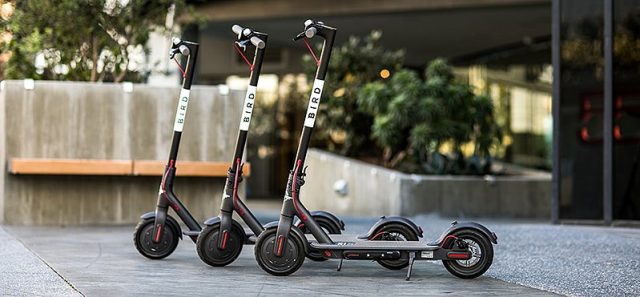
{"x": 102, "y": 121}
{"x": 373, "y": 190}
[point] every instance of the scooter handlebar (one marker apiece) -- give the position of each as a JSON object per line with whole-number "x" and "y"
{"x": 178, "y": 46}
{"x": 257, "y": 42}
{"x": 312, "y": 29}
{"x": 246, "y": 33}
{"x": 237, "y": 29}
{"x": 310, "y": 32}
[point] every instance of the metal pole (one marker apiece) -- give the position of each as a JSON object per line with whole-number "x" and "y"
{"x": 555, "y": 107}
{"x": 607, "y": 157}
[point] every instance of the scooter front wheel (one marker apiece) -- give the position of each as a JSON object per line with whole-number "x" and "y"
{"x": 207, "y": 245}
{"x": 481, "y": 255}
{"x": 292, "y": 254}
{"x": 143, "y": 239}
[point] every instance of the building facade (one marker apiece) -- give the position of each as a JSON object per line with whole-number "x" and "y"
{"x": 596, "y": 58}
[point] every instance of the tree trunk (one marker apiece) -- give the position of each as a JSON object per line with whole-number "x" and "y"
{"x": 94, "y": 58}
{"x": 121, "y": 76}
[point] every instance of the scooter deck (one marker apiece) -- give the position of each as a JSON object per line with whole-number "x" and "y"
{"x": 351, "y": 242}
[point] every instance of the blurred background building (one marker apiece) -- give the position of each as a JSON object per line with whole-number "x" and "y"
{"x": 562, "y": 75}
{"x": 501, "y": 47}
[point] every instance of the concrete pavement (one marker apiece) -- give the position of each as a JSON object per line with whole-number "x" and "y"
{"x": 531, "y": 259}
{"x": 22, "y": 273}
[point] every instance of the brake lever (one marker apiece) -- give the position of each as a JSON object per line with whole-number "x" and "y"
{"x": 299, "y": 36}
{"x": 243, "y": 44}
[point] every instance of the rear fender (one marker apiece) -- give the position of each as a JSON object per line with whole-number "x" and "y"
{"x": 455, "y": 226}
{"x": 392, "y": 220}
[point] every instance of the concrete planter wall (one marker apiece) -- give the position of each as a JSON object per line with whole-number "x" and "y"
{"x": 103, "y": 121}
{"x": 374, "y": 190}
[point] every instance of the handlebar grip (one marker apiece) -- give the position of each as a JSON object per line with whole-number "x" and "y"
{"x": 257, "y": 42}
{"x": 310, "y": 32}
{"x": 184, "y": 50}
{"x": 237, "y": 29}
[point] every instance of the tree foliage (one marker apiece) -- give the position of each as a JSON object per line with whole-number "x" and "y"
{"x": 341, "y": 124}
{"x": 415, "y": 119}
{"x": 92, "y": 40}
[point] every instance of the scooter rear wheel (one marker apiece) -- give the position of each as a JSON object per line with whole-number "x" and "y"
{"x": 207, "y": 245}
{"x": 143, "y": 239}
{"x": 395, "y": 232}
{"x": 292, "y": 254}
{"x": 482, "y": 255}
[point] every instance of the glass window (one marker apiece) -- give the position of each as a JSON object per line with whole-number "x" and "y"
{"x": 626, "y": 75}
{"x": 581, "y": 88}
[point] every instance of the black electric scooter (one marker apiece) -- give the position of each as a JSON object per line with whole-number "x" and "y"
{"x": 222, "y": 238}
{"x": 465, "y": 248}
{"x": 156, "y": 235}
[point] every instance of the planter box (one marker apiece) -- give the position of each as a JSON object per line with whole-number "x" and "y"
{"x": 373, "y": 190}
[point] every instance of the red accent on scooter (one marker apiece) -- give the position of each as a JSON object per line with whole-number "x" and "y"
{"x": 175, "y": 207}
{"x": 280, "y": 239}
{"x": 235, "y": 189}
{"x": 444, "y": 241}
{"x": 158, "y": 233}
{"x": 376, "y": 235}
{"x": 184, "y": 74}
{"x": 459, "y": 255}
{"x": 164, "y": 177}
{"x": 235, "y": 45}
{"x": 293, "y": 190}
{"x": 225, "y": 234}
{"x": 311, "y": 51}
{"x": 327, "y": 253}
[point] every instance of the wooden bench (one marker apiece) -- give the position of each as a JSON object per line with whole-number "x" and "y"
{"x": 41, "y": 166}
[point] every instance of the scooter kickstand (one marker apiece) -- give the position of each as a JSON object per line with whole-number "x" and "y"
{"x": 411, "y": 259}
{"x": 340, "y": 264}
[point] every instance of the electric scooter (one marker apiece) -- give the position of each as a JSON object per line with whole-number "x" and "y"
{"x": 156, "y": 235}
{"x": 465, "y": 248}
{"x": 222, "y": 238}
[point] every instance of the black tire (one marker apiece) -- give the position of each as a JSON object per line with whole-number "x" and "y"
{"x": 395, "y": 232}
{"x": 291, "y": 259}
{"x": 467, "y": 269}
{"x": 207, "y": 245}
{"x": 330, "y": 227}
{"x": 143, "y": 239}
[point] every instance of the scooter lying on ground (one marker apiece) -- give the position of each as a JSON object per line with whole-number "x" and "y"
{"x": 465, "y": 248}
{"x": 156, "y": 235}
{"x": 221, "y": 241}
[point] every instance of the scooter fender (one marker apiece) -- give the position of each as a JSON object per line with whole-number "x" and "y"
{"x": 294, "y": 230}
{"x": 273, "y": 224}
{"x": 212, "y": 221}
{"x": 327, "y": 215}
{"x": 152, "y": 214}
{"x": 148, "y": 215}
{"x": 455, "y": 226}
{"x": 389, "y": 220}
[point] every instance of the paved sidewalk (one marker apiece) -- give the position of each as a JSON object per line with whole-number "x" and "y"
{"x": 531, "y": 259}
{"x": 103, "y": 262}
{"x": 566, "y": 259}
{"x": 24, "y": 274}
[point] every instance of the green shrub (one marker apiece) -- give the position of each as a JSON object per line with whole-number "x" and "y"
{"x": 415, "y": 121}
{"x": 342, "y": 126}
